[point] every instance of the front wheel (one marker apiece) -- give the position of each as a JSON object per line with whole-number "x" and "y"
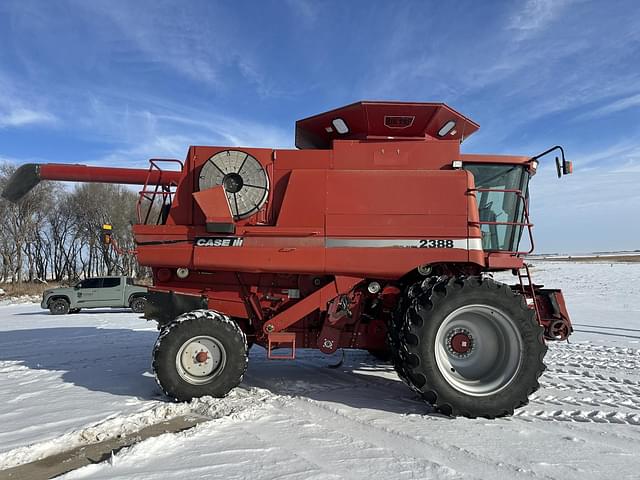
{"x": 472, "y": 347}
{"x": 200, "y": 353}
{"x": 59, "y": 306}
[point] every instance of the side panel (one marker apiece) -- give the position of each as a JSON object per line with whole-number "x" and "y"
{"x": 421, "y": 214}
{"x": 387, "y": 203}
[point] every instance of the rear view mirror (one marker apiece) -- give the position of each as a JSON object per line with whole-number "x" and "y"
{"x": 563, "y": 168}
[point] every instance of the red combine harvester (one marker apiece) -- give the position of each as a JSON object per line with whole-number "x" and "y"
{"x": 376, "y": 234}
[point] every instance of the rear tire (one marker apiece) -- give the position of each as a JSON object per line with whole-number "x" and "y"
{"x": 59, "y": 306}
{"x": 201, "y": 353}
{"x": 137, "y": 304}
{"x": 472, "y": 347}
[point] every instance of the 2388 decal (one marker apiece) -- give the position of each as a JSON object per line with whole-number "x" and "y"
{"x": 435, "y": 244}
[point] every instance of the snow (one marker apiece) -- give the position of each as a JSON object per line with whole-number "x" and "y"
{"x": 71, "y": 380}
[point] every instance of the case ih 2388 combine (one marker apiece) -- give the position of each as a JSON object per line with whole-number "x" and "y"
{"x": 376, "y": 234}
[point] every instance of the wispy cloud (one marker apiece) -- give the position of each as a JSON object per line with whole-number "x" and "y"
{"x": 19, "y": 108}
{"x": 19, "y": 117}
{"x": 619, "y": 105}
{"x": 536, "y": 15}
{"x": 590, "y": 209}
{"x": 164, "y": 129}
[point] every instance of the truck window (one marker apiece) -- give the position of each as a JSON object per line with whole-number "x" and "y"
{"x": 110, "y": 282}
{"x": 91, "y": 283}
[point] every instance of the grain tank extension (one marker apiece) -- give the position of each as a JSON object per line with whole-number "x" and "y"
{"x": 375, "y": 234}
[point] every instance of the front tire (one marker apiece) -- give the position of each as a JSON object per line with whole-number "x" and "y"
{"x": 472, "y": 347}
{"x": 59, "y": 306}
{"x": 200, "y": 353}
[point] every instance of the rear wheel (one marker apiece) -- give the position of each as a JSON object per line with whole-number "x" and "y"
{"x": 137, "y": 304}
{"x": 201, "y": 353}
{"x": 472, "y": 347}
{"x": 59, "y": 306}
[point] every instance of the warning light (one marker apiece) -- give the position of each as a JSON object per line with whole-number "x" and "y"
{"x": 106, "y": 234}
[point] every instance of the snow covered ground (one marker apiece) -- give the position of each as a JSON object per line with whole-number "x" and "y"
{"x": 72, "y": 380}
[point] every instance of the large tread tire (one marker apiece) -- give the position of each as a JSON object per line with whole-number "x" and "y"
{"x": 398, "y": 352}
{"x": 432, "y": 307}
{"x": 59, "y": 306}
{"x": 394, "y": 328}
{"x": 191, "y": 325}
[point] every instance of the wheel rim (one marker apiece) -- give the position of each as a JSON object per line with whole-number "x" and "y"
{"x": 138, "y": 305}
{"x": 200, "y": 359}
{"x": 58, "y": 307}
{"x": 478, "y": 350}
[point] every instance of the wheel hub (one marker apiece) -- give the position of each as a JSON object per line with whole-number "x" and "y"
{"x": 478, "y": 349}
{"x": 200, "y": 359}
{"x": 460, "y": 342}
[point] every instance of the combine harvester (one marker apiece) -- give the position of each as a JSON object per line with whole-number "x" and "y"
{"x": 376, "y": 234}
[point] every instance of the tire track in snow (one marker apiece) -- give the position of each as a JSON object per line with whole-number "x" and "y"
{"x": 601, "y": 381}
{"x": 339, "y": 454}
{"x": 348, "y": 423}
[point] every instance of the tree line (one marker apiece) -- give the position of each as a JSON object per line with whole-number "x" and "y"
{"x": 55, "y": 232}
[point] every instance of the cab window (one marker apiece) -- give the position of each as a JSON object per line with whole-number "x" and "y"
{"x": 90, "y": 283}
{"x": 110, "y": 282}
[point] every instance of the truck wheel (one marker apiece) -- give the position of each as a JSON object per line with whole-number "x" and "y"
{"x": 137, "y": 304}
{"x": 59, "y": 306}
{"x": 200, "y": 353}
{"x": 473, "y": 347}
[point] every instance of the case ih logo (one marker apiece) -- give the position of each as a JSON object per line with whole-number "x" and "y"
{"x": 219, "y": 242}
{"x": 398, "y": 121}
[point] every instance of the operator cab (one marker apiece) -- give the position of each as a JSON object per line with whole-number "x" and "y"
{"x": 502, "y": 194}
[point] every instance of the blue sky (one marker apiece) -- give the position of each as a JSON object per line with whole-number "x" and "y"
{"x": 115, "y": 82}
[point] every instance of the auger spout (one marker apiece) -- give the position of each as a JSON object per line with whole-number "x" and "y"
{"x": 27, "y": 176}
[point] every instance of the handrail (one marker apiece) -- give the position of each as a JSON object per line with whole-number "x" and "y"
{"x": 527, "y": 223}
{"x": 150, "y": 194}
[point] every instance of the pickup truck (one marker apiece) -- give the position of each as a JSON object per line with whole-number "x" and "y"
{"x": 95, "y": 293}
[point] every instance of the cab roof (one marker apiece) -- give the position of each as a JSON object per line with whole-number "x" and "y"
{"x": 379, "y": 121}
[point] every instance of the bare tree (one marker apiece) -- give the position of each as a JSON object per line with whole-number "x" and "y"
{"x": 56, "y": 233}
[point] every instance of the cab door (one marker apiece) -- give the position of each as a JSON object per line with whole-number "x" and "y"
{"x": 87, "y": 292}
{"x": 111, "y": 292}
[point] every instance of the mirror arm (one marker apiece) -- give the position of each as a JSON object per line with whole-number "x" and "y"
{"x": 560, "y": 167}
{"x": 546, "y": 152}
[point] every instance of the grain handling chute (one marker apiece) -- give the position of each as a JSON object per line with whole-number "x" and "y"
{"x": 376, "y": 234}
